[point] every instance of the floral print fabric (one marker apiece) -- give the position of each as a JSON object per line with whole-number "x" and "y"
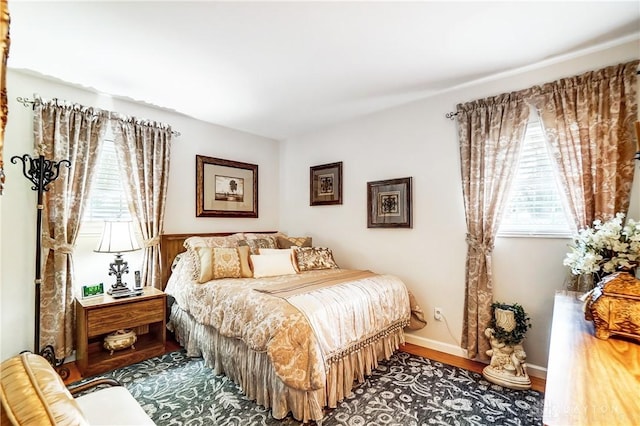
{"x": 64, "y": 131}
{"x": 490, "y": 132}
{"x": 143, "y": 150}
{"x": 588, "y": 122}
{"x": 273, "y": 325}
{"x": 312, "y": 258}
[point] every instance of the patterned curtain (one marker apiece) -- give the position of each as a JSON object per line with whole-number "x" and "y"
{"x": 4, "y": 105}
{"x": 71, "y": 132}
{"x": 143, "y": 150}
{"x": 589, "y": 123}
{"x": 490, "y": 132}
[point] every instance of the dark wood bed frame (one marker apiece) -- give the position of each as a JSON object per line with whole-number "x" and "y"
{"x": 173, "y": 244}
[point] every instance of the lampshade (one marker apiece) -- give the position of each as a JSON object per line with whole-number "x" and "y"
{"x": 117, "y": 237}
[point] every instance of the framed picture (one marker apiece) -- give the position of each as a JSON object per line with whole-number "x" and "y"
{"x": 226, "y": 188}
{"x": 325, "y": 184}
{"x": 389, "y": 203}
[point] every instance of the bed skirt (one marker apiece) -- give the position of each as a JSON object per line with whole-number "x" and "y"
{"x": 255, "y": 375}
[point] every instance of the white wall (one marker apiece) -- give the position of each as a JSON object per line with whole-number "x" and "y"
{"x": 413, "y": 140}
{"x": 417, "y": 140}
{"x": 17, "y": 210}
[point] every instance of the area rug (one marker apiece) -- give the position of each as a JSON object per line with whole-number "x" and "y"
{"x": 405, "y": 390}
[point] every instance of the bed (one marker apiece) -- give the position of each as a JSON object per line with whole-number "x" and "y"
{"x": 280, "y": 318}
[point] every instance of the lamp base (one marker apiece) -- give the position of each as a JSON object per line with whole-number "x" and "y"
{"x": 118, "y": 291}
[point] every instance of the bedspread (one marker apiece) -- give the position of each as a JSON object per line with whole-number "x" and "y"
{"x": 301, "y": 333}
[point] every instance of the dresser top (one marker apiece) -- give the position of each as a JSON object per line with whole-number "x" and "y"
{"x": 589, "y": 381}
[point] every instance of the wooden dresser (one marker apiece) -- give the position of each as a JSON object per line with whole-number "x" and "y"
{"x": 589, "y": 381}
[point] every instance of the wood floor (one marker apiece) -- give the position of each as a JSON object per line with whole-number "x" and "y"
{"x": 536, "y": 383}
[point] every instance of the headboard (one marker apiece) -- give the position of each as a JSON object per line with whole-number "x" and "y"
{"x": 173, "y": 244}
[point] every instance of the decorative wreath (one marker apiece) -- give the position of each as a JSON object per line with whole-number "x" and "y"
{"x": 523, "y": 323}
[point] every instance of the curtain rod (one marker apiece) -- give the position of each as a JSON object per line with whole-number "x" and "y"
{"x": 33, "y": 102}
{"x": 452, "y": 115}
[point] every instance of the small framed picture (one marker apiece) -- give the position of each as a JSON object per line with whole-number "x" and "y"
{"x": 92, "y": 290}
{"x": 389, "y": 203}
{"x": 226, "y": 188}
{"x": 325, "y": 184}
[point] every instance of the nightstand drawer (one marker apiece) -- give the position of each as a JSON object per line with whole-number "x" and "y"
{"x": 105, "y": 320}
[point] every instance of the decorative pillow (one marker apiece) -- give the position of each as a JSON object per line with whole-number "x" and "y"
{"x": 216, "y": 262}
{"x": 271, "y": 265}
{"x": 34, "y": 394}
{"x": 226, "y": 263}
{"x": 310, "y": 258}
{"x": 187, "y": 266}
{"x": 194, "y": 256}
{"x": 203, "y": 261}
{"x": 256, "y": 244}
{"x": 255, "y": 236}
{"x": 275, "y": 251}
{"x": 245, "y": 265}
{"x": 228, "y": 241}
{"x": 176, "y": 260}
{"x": 288, "y": 242}
{"x": 288, "y": 252}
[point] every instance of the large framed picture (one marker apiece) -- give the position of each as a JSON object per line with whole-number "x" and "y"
{"x": 325, "y": 184}
{"x": 389, "y": 203}
{"x": 226, "y": 188}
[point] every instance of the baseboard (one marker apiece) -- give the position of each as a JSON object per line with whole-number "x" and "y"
{"x": 533, "y": 369}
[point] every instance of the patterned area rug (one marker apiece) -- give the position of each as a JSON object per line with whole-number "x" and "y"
{"x": 406, "y": 390}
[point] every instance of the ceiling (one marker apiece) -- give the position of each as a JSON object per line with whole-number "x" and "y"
{"x": 280, "y": 69}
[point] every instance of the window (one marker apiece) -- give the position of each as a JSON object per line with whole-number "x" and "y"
{"x": 108, "y": 199}
{"x": 536, "y": 206}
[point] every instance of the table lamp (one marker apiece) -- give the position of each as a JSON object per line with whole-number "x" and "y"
{"x": 118, "y": 238}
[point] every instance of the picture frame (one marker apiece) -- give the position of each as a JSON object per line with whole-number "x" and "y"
{"x": 325, "y": 184}
{"x": 226, "y": 188}
{"x": 92, "y": 290}
{"x": 389, "y": 203}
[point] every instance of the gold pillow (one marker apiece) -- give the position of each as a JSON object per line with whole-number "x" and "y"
{"x": 310, "y": 258}
{"x": 245, "y": 265}
{"x": 217, "y": 262}
{"x": 288, "y": 242}
{"x": 226, "y": 263}
{"x": 203, "y": 262}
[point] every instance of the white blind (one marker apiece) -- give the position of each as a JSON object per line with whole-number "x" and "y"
{"x": 536, "y": 205}
{"x": 107, "y": 200}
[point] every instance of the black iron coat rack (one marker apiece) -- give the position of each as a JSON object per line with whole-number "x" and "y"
{"x": 41, "y": 173}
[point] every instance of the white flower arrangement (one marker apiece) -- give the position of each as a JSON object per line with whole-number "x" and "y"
{"x": 605, "y": 248}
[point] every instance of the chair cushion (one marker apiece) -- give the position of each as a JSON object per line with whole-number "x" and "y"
{"x": 112, "y": 406}
{"x": 32, "y": 393}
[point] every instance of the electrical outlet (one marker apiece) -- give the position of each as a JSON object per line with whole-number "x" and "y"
{"x": 437, "y": 314}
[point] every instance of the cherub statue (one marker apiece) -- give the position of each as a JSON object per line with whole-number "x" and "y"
{"x": 507, "y": 366}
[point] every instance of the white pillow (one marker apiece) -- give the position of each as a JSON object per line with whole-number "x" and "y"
{"x": 271, "y": 265}
{"x": 281, "y": 252}
{"x": 271, "y": 251}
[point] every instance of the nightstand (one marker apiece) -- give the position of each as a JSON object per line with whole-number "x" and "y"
{"x": 99, "y": 316}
